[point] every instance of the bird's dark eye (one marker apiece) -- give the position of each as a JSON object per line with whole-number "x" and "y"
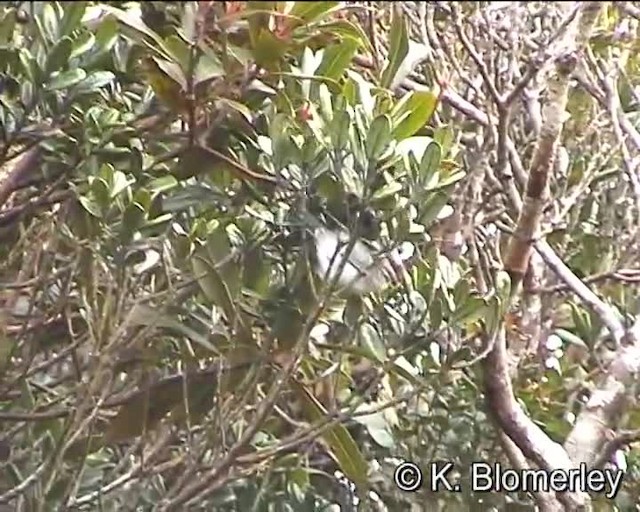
{"x": 369, "y": 224}
{"x": 352, "y": 200}
{"x": 367, "y": 219}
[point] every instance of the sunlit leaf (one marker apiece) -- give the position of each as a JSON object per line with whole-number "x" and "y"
{"x": 336, "y": 59}
{"x": 398, "y": 47}
{"x": 371, "y": 340}
{"x": 413, "y": 112}
{"x": 310, "y": 11}
{"x": 66, "y": 79}
{"x": 82, "y": 44}
{"x": 378, "y": 428}
{"x": 94, "y": 82}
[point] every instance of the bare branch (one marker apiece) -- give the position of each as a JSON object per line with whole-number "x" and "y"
{"x": 607, "y": 314}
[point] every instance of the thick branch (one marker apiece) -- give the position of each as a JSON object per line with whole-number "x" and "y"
{"x": 533, "y": 442}
{"x": 606, "y": 403}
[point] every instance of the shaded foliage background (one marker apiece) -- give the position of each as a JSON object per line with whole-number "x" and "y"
{"x": 166, "y": 343}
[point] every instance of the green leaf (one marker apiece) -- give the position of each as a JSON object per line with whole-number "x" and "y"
{"x": 338, "y": 438}
{"x": 430, "y": 208}
{"x": 173, "y": 71}
{"x": 268, "y": 50}
{"x": 134, "y": 28}
{"x": 378, "y": 428}
{"x": 309, "y": 11}
{"x": 398, "y": 48}
{"x": 143, "y": 198}
{"x": 413, "y": 112}
{"x": 50, "y": 21}
{"x": 444, "y": 135}
{"x": 448, "y": 181}
{"x": 324, "y": 99}
{"x": 162, "y": 184}
{"x": 94, "y": 82}
{"x": 214, "y": 286}
{"x": 107, "y": 34}
{"x": 180, "y": 52}
{"x": 493, "y": 316}
{"x": 339, "y": 132}
{"x": 378, "y": 137}
{"x": 90, "y": 205}
{"x": 83, "y": 43}
{"x": 132, "y": 219}
{"x": 348, "y": 30}
{"x": 257, "y": 272}
{"x": 66, "y": 79}
{"x": 430, "y": 163}
{"x": 581, "y": 321}
{"x": 59, "y": 55}
{"x": 7, "y": 26}
{"x": 146, "y": 316}
{"x": 358, "y": 91}
{"x": 336, "y": 59}
{"x": 209, "y": 67}
{"x": 388, "y": 190}
{"x": 503, "y": 286}
{"x": 7, "y": 346}
{"x": 372, "y": 342}
{"x": 73, "y": 13}
{"x": 238, "y": 107}
{"x": 472, "y": 309}
{"x": 569, "y": 337}
{"x": 100, "y": 192}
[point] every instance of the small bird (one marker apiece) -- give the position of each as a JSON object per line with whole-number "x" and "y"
{"x": 367, "y": 269}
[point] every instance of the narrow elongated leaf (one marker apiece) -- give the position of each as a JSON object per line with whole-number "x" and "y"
{"x": 66, "y": 79}
{"x": 216, "y": 289}
{"x": 569, "y": 337}
{"x": 50, "y": 21}
{"x": 378, "y": 137}
{"x": 73, "y": 13}
{"x": 337, "y": 58}
{"x": 94, "y": 82}
{"x": 309, "y": 11}
{"x": 345, "y": 29}
{"x": 82, "y": 44}
{"x": 370, "y": 339}
{"x": 343, "y": 447}
{"x": 413, "y": 112}
{"x": 138, "y": 30}
{"x": 340, "y": 129}
{"x": 448, "y": 181}
{"x": 398, "y": 48}
{"x": 429, "y": 164}
{"x": 147, "y": 316}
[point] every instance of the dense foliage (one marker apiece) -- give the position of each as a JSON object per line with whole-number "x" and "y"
{"x": 167, "y": 341}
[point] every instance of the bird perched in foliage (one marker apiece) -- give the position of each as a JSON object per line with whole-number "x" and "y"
{"x": 366, "y": 270}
